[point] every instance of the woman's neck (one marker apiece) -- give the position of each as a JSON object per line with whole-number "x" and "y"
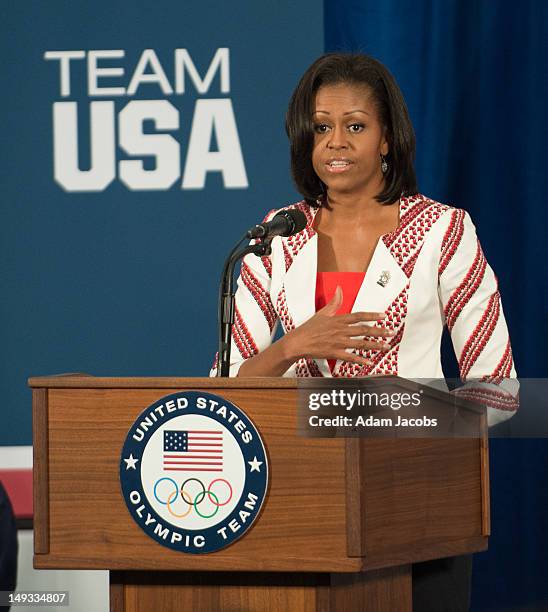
{"x": 352, "y": 204}
{"x": 353, "y": 209}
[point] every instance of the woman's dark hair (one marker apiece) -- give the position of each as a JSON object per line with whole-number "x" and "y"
{"x": 361, "y": 70}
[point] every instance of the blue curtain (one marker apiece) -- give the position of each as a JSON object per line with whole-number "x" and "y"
{"x": 474, "y": 77}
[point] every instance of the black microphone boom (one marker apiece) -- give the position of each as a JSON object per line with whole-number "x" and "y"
{"x": 285, "y": 223}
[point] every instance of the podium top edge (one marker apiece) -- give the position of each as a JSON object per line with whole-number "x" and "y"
{"x": 178, "y": 383}
{"x": 61, "y": 381}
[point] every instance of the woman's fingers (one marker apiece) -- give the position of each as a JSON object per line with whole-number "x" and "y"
{"x": 353, "y": 358}
{"x": 359, "y": 317}
{"x": 328, "y": 336}
{"x": 360, "y": 331}
{"x": 367, "y": 345}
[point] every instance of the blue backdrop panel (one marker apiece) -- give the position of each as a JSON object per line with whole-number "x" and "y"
{"x": 473, "y": 75}
{"x": 124, "y": 281}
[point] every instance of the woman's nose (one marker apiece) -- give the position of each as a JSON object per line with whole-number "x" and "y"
{"x": 337, "y": 138}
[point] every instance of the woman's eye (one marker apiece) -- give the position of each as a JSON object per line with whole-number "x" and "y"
{"x": 321, "y": 128}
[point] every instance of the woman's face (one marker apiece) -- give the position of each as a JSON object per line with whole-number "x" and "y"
{"x": 348, "y": 139}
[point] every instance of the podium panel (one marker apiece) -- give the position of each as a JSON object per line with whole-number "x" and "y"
{"x": 342, "y": 519}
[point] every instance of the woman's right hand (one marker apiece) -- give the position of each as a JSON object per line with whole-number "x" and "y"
{"x": 326, "y": 335}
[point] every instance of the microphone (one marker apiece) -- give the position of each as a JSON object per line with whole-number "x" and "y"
{"x": 285, "y": 223}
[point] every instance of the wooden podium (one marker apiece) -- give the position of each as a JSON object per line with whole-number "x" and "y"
{"x": 342, "y": 521}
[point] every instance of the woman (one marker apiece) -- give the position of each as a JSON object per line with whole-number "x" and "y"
{"x": 367, "y": 287}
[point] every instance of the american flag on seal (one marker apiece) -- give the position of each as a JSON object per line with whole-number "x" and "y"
{"x": 193, "y": 451}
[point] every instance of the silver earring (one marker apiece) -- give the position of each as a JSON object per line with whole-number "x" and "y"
{"x": 321, "y": 197}
{"x": 384, "y": 164}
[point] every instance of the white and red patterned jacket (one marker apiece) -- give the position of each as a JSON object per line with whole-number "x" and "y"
{"x": 437, "y": 275}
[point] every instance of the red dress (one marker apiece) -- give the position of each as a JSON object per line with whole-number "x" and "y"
{"x": 326, "y": 284}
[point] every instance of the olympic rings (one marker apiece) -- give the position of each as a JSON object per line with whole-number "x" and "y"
{"x": 156, "y": 485}
{"x": 196, "y": 502}
{"x": 183, "y": 487}
{"x": 174, "y": 493}
{"x": 198, "y": 498}
{"x": 209, "y": 493}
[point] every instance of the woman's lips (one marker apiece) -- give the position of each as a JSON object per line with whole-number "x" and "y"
{"x": 338, "y": 166}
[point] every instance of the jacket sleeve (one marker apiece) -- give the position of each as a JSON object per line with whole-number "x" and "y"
{"x": 255, "y": 318}
{"x": 472, "y": 309}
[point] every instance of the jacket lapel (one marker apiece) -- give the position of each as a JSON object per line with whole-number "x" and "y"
{"x": 300, "y": 288}
{"x": 383, "y": 282}
{"x": 300, "y": 283}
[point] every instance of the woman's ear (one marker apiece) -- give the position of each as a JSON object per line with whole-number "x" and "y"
{"x": 384, "y": 143}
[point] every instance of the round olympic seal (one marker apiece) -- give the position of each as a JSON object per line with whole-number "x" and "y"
{"x": 194, "y": 472}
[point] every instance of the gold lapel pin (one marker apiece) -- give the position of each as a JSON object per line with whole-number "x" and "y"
{"x": 384, "y": 278}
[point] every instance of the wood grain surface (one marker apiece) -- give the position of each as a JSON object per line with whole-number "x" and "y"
{"x": 387, "y": 590}
{"x": 333, "y": 505}
{"x": 485, "y": 493}
{"x": 301, "y": 524}
{"x": 40, "y": 476}
{"x": 68, "y": 381}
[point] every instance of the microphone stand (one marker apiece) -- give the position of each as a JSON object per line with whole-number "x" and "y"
{"x": 226, "y": 298}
